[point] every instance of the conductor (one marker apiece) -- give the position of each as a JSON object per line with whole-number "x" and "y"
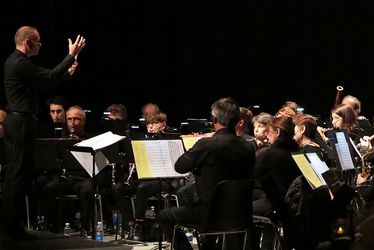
{"x": 22, "y": 79}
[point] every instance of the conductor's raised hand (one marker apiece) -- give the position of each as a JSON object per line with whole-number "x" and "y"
{"x": 77, "y": 46}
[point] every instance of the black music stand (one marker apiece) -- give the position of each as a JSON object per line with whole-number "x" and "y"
{"x": 52, "y": 154}
{"x": 110, "y": 148}
{"x": 164, "y": 153}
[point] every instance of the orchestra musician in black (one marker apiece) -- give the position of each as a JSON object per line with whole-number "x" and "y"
{"x": 210, "y": 163}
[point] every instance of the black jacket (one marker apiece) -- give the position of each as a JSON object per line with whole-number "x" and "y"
{"x": 224, "y": 156}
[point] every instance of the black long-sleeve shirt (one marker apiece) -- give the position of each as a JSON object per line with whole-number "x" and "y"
{"x": 22, "y": 79}
{"x": 224, "y": 156}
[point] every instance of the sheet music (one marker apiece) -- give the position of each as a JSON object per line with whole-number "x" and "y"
{"x": 343, "y": 152}
{"x": 96, "y": 143}
{"x": 86, "y": 160}
{"x": 101, "y": 141}
{"x": 307, "y": 170}
{"x": 319, "y": 166}
{"x": 156, "y": 158}
{"x": 190, "y": 140}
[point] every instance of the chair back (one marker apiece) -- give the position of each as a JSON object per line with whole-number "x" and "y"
{"x": 231, "y": 206}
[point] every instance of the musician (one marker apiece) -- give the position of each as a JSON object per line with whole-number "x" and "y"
{"x": 305, "y": 131}
{"x": 115, "y": 120}
{"x": 187, "y": 193}
{"x": 244, "y": 126}
{"x": 149, "y": 108}
{"x": 277, "y": 162}
{"x": 343, "y": 117}
{"x": 260, "y": 128}
{"x": 294, "y": 106}
{"x": 47, "y": 184}
{"x": 55, "y": 127}
{"x": 77, "y": 180}
{"x": 363, "y": 122}
{"x": 156, "y": 124}
{"x": 210, "y": 162}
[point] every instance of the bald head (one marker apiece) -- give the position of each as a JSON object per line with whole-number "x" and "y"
{"x": 27, "y": 40}
{"x": 26, "y": 32}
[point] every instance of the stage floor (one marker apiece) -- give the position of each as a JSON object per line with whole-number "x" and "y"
{"x": 47, "y": 240}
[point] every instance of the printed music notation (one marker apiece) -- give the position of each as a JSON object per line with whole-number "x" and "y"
{"x": 318, "y": 165}
{"x": 156, "y": 158}
{"x": 343, "y": 152}
{"x": 308, "y": 171}
{"x": 96, "y": 143}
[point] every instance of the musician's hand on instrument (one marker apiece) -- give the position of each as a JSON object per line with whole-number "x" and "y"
{"x": 322, "y": 131}
{"x": 361, "y": 179}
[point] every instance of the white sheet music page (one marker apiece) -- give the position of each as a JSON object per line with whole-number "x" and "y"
{"x": 100, "y": 141}
{"x": 162, "y": 155}
{"x": 319, "y": 166}
{"x": 344, "y": 154}
{"x": 96, "y": 143}
{"x": 156, "y": 158}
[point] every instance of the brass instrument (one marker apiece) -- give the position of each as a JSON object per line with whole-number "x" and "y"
{"x": 366, "y": 164}
{"x": 338, "y": 96}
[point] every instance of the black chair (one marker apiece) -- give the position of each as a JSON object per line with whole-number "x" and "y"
{"x": 73, "y": 197}
{"x": 230, "y": 212}
{"x": 270, "y": 233}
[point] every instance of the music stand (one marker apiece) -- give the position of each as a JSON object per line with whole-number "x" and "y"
{"x": 52, "y": 154}
{"x": 155, "y": 159}
{"x": 95, "y": 147}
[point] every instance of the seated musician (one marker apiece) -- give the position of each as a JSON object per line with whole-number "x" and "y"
{"x": 363, "y": 122}
{"x": 305, "y": 131}
{"x": 47, "y": 184}
{"x": 114, "y": 120}
{"x": 77, "y": 180}
{"x": 210, "y": 163}
{"x": 343, "y": 118}
{"x": 277, "y": 162}
{"x": 260, "y": 128}
{"x": 156, "y": 124}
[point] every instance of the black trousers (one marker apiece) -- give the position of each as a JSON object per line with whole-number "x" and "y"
{"x": 189, "y": 215}
{"x": 122, "y": 196}
{"x": 146, "y": 189}
{"x": 47, "y": 186}
{"x": 20, "y": 134}
{"x": 83, "y": 187}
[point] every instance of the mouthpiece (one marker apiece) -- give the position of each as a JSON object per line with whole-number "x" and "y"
{"x": 71, "y": 132}
{"x": 339, "y": 88}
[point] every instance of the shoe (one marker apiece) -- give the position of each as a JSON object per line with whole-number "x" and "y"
{"x": 138, "y": 232}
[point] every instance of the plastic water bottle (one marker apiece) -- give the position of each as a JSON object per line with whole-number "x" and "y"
{"x": 189, "y": 236}
{"x": 67, "y": 229}
{"x": 99, "y": 231}
{"x": 115, "y": 220}
{"x": 153, "y": 212}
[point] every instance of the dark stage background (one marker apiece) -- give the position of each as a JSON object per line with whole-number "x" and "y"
{"x": 184, "y": 55}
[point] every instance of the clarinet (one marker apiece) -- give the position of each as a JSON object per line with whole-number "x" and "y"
{"x": 132, "y": 170}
